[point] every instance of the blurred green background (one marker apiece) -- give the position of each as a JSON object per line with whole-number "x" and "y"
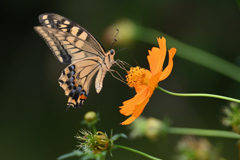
{"x": 33, "y": 121}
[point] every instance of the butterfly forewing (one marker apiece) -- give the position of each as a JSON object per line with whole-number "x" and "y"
{"x": 52, "y": 20}
{"x": 67, "y": 48}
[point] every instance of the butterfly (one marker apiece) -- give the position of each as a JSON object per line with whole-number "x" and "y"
{"x": 85, "y": 56}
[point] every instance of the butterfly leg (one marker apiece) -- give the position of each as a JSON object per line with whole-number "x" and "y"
{"x": 122, "y": 79}
{"x": 122, "y": 64}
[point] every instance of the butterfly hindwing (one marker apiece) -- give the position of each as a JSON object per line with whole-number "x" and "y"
{"x": 52, "y": 20}
{"x": 76, "y": 79}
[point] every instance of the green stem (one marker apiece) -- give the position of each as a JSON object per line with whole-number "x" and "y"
{"x": 136, "y": 151}
{"x": 94, "y": 129}
{"x": 199, "y": 95}
{"x": 203, "y": 132}
{"x": 190, "y": 53}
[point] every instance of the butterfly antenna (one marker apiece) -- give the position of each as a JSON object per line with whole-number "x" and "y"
{"x": 130, "y": 54}
{"x": 114, "y": 39}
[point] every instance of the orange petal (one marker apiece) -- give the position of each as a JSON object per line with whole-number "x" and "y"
{"x": 129, "y": 105}
{"x": 153, "y": 82}
{"x": 139, "y": 108}
{"x": 157, "y": 56}
{"x": 140, "y": 88}
{"x": 163, "y": 49}
{"x": 128, "y": 121}
{"x": 153, "y": 59}
{"x": 136, "y": 113}
{"x": 168, "y": 69}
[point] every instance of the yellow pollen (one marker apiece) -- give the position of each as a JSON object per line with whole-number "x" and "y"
{"x": 136, "y": 77}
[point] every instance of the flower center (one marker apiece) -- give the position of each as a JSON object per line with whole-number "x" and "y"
{"x": 136, "y": 76}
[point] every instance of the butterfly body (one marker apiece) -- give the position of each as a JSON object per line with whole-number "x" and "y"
{"x": 73, "y": 45}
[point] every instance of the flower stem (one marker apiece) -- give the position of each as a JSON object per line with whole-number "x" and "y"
{"x": 94, "y": 129}
{"x": 203, "y": 132}
{"x": 190, "y": 53}
{"x": 136, "y": 151}
{"x": 199, "y": 95}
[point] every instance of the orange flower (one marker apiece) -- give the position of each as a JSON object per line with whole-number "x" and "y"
{"x": 145, "y": 81}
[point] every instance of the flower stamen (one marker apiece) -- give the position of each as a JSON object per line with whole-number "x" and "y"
{"x": 136, "y": 77}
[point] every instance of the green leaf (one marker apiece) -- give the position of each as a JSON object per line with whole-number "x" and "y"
{"x": 116, "y": 136}
{"x": 76, "y": 153}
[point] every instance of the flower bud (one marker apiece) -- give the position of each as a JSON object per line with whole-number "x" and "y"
{"x": 196, "y": 148}
{"x": 153, "y": 128}
{"x": 90, "y": 117}
{"x": 102, "y": 143}
{"x": 150, "y": 127}
{"x": 96, "y": 143}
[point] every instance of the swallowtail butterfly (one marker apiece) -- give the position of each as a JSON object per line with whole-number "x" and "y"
{"x": 75, "y": 46}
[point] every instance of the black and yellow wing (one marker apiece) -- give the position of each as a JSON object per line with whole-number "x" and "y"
{"x": 66, "y": 47}
{"x": 68, "y": 40}
{"x": 76, "y": 79}
{"x": 52, "y": 20}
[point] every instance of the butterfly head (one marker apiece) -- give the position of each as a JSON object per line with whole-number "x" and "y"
{"x": 112, "y": 53}
{"x": 109, "y": 58}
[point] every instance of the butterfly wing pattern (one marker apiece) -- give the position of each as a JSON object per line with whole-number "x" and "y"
{"x": 73, "y": 45}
